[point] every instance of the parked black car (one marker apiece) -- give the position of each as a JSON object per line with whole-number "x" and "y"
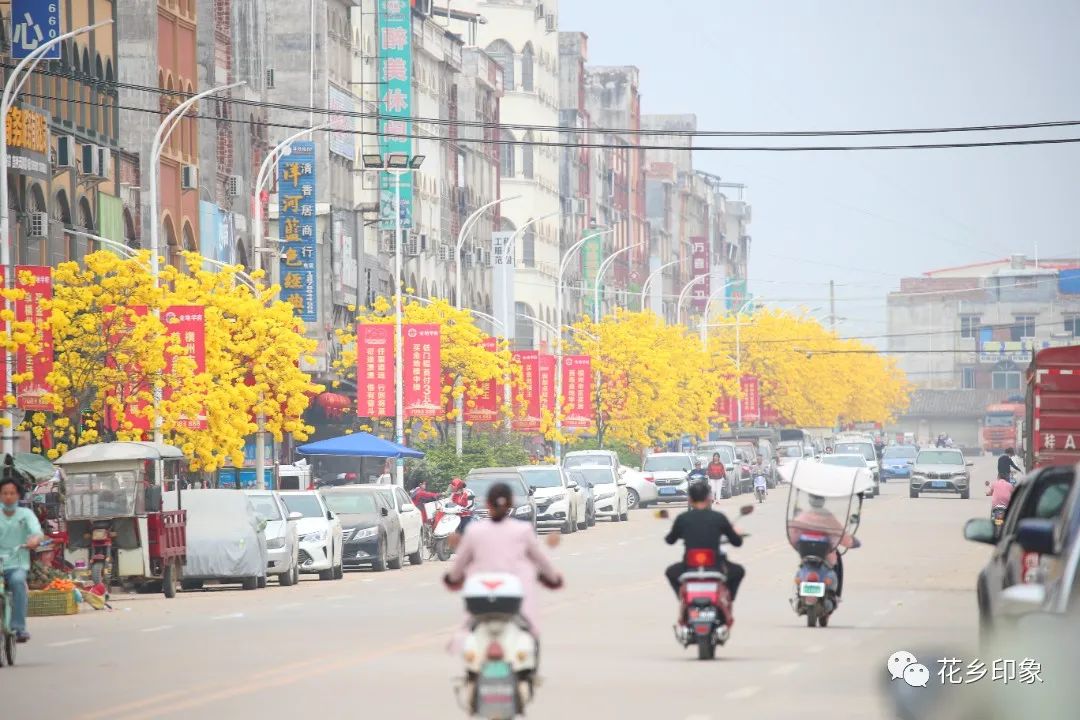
{"x": 371, "y": 532}
{"x": 480, "y": 481}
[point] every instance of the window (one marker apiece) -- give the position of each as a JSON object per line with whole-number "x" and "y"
{"x": 527, "y": 164}
{"x": 528, "y": 249}
{"x": 1072, "y": 325}
{"x": 1023, "y": 327}
{"x": 507, "y": 149}
{"x": 967, "y": 379}
{"x": 1005, "y": 379}
{"x": 527, "y": 68}
{"x": 969, "y": 326}
{"x": 501, "y": 52}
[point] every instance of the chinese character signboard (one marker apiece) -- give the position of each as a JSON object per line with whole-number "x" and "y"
{"x": 36, "y": 283}
{"x": 751, "y": 399}
{"x": 546, "y": 380}
{"x": 577, "y": 391}
{"x": 120, "y": 322}
{"x": 484, "y": 406}
{"x": 592, "y": 254}
{"x": 422, "y": 370}
{"x": 503, "y": 270}
{"x": 375, "y": 371}
{"x": 28, "y": 143}
{"x": 34, "y": 23}
{"x": 527, "y": 393}
{"x": 297, "y": 228}
{"x": 395, "y": 127}
{"x": 342, "y": 119}
{"x": 736, "y": 294}
{"x": 185, "y": 325}
{"x": 699, "y": 258}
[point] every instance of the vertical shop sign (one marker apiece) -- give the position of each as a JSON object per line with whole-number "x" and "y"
{"x": 422, "y": 370}
{"x": 36, "y": 284}
{"x": 577, "y": 391}
{"x": 185, "y": 325}
{"x": 527, "y": 391}
{"x": 297, "y": 228}
{"x": 396, "y": 109}
{"x": 375, "y": 371}
{"x": 699, "y": 257}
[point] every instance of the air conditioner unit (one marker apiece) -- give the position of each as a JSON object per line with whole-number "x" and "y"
{"x": 89, "y": 159}
{"x": 66, "y": 148}
{"x": 550, "y": 24}
{"x": 269, "y": 78}
{"x": 234, "y": 185}
{"x": 412, "y": 245}
{"x": 444, "y": 252}
{"x": 189, "y": 177}
{"x": 38, "y": 225}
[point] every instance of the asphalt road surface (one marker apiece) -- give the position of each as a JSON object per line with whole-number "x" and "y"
{"x": 374, "y": 644}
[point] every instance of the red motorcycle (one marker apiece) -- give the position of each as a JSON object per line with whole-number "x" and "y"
{"x": 706, "y": 604}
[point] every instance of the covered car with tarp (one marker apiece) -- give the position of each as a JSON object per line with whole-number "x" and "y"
{"x": 226, "y": 541}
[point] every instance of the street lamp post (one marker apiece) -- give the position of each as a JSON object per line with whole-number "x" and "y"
{"x": 600, "y": 274}
{"x": 708, "y": 307}
{"x": 466, "y": 227}
{"x": 397, "y": 164}
{"x": 11, "y": 91}
{"x": 682, "y": 296}
{"x": 597, "y": 232}
{"x": 261, "y": 179}
{"x": 738, "y": 359}
{"x": 165, "y": 129}
{"x": 652, "y": 276}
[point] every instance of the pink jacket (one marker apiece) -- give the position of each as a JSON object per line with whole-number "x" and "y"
{"x": 1000, "y": 492}
{"x": 508, "y": 546}
{"x": 823, "y": 522}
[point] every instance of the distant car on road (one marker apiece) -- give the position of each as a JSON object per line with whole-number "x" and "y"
{"x": 559, "y": 499}
{"x": 282, "y": 544}
{"x": 897, "y": 460}
{"x": 669, "y": 471}
{"x": 588, "y": 497}
{"x": 371, "y": 527}
{"x": 852, "y": 461}
{"x": 640, "y": 487}
{"x": 319, "y": 532}
{"x": 610, "y": 489}
{"x": 864, "y": 447}
{"x": 412, "y": 524}
{"x": 480, "y": 480}
{"x": 577, "y": 458}
{"x": 940, "y": 470}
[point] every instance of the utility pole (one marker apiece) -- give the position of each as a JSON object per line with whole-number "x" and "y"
{"x": 832, "y": 305}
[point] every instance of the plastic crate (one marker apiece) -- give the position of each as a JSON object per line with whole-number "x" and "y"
{"x": 43, "y": 603}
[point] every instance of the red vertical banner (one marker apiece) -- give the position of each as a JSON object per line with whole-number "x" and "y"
{"x": 699, "y": 257}
{"x": 185, "y": 325}
{"x": 375, "y": 371}
{"x": 422, "y": 370}
{"x": 36, "y": 283}
{"x": 134, "y": 410}
{"x": 4, "y": 389}
{"x": 527, "y": 392}
{"x": 577, "y": 391}
{"x": 485, "y": 404}
{"x": 751, "y": 399}
{"x": 546, "y": 382}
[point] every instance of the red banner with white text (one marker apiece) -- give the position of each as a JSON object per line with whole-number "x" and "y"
{"x": 36, "y": 282}
{"x": 484, "y": 406}
{"x": 577, "y": 392}
{"x": 750, "y": 402}
{"x": 546, "y": 382}
{"x": 120, "y": 322}
{"x": 700, "y": 258}
{"x": 527, "y": 391}
{"x": 375, "y": 371}
{"x": 185, "y": 325}
{"x": 422, "y": 345}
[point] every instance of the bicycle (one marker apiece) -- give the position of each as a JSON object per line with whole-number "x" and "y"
{"x": 8, "y": 642}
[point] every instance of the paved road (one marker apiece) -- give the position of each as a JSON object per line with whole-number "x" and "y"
{"x": 374, "y": 644}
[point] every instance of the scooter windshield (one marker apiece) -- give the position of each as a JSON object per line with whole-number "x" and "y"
{"x": 818, "y": 526}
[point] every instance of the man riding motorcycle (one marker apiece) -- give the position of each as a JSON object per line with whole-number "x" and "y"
{"x": 1006, "y": 465}
{"x": 20, "y": 532}
{"x": 701, "y": 527}
{"x": 819, "y": 519}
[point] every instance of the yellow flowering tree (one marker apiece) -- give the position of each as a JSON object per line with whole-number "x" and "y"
{"x": 111, "y": 350}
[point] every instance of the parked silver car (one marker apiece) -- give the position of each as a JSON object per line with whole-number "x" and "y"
{"x": 940, "y": 470}
{"x": 282, "y": 546}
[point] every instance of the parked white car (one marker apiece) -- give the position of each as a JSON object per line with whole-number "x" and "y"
{"x": 559, "y": 501}
{"x": 282, "y": 543}
{"x": 578, "y": 458}
{"x": 640, "y": 487}
{"x": 669, "y": 471}
{"x": 319, "y": 532}
{"x": 412, "y": 524}
{"x": 609, "y": 489}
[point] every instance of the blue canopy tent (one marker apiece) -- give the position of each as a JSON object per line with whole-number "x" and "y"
{"x": 359, "y": 444}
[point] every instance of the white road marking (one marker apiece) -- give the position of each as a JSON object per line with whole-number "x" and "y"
{"x": 574, "y": 554}
{"x": 814, "y": 649}
{"x": 157, "y": 628}
{"x": 289, "y": 606}
{"x": 230, "y": 616}
{"x": 332, "y": 598}
{"x": 367, "y": 580}
{"x": 786, "y": 669}
{"x": 65, "y": 643}
{"x": 743, "y": 693}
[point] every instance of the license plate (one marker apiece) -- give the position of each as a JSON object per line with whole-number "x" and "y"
{"x": 939, "y": 484}
{"x": 668, "y": 490}
{"x": 703, "y": 615}
{"x": 701, "y": 587}
{"x": 812, "y": 589}
{"x": 496, "y": 671}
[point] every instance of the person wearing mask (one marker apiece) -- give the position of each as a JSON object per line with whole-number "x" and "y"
{"x": 1006, "y": 465}
{"x": 701, "y": 527}
{"x": 20, "y": 532}
{"x": 818, "y": 519}
{"x": 503, "y": 545}
{"x": 464, "y": 498}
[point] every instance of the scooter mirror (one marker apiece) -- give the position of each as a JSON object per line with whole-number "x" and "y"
{"x": 746, "y": 509}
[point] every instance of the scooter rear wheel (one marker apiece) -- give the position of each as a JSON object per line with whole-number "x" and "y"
{"x": 442, "y": 549}
{"x": 811, "y": 616}
{"x": 706, "y": 648}
{"x": 823, "y": 620}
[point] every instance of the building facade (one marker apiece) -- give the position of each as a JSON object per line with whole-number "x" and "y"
{"x": 977, "y": 326}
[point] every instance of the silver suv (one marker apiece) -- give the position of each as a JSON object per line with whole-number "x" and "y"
{"x": 940, "y": 470}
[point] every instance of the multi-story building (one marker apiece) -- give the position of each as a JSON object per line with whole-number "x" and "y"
{"x": 63, "y": 167}
{"x": 976, "y": 326}
{"x": 233, "y": 137}
{"x": 521, "y": 38}
{"x": 169, "y": 36}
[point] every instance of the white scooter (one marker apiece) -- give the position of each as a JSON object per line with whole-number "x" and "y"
{"x": 499, "y": 651}
{"x": 444, "y": 523}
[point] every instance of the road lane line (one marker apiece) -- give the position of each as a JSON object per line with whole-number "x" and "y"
{"x": 786, "y": 669}
{"x": 575, "y": 554}
{"x": 814, "y": 649}
{"x": 230, "y": 616}
{"x": 289, "y": 606}
{"x": 743, "y": 693}
{"x": 332, "y": 598}
{"x": 157, "y": 628}
{"x": 65, "y": 643}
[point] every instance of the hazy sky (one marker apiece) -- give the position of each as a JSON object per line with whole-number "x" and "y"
{"x": 865, "y": 219}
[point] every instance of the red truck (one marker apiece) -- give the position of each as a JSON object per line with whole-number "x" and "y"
{"x": 999, "y": 426}
{"x": 1052, "y": 408}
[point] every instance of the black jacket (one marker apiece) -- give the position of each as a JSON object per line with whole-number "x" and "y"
{"x": 702, "y": 529}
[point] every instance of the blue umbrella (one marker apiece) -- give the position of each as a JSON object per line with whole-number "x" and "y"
{"x": 359, "y": 444}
